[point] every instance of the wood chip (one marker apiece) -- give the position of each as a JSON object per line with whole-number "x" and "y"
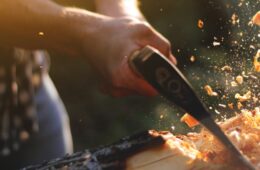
{"x": 209, "y": 91}
{"x": 245, "y": 97}
{"x": 189, "y": 120}
{"x": 227, "y": 68}
{"x": 215, "y": 43}
{"x": 257, "y": 62}
{"x": 256, "y": 19}
{"x": 239, "y": 79}
{"x": 200, "y": 24}
{"x": 234, "y": 84}
{"x": 239, "y": 105}
{"x": 231, "y": 105}
{"x": 234, "y": 19}
{"x": 192, "y": 59}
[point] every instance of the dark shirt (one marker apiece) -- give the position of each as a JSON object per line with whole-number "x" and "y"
{"x": 20, "y": 76}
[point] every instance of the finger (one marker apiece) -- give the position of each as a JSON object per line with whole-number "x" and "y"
{"x": 116, "y": 92}
{"x": 163, "y": 45}
{"x": 128, "y": 82}
{"x": 136, "y": 83}
{"x": 144, "y": 88}
{"x": 156, "y": 40}
{"x": 173, "y": 59}
{"x": 131, "y": 84}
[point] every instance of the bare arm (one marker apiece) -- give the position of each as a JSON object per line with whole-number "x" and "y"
{"x": 44, "y": 24}
{"x": 129, "y": 8}
{"x": 105, "y": 41}
{"x": 119, "y": 8}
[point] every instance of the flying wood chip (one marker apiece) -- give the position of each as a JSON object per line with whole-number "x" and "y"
{"x": 200, "y": 24}
{"x": 257, "y": 62}
{"x": 189, "y": 120}
{"x": 256, "y": 19}
{"x": 209, "y": 91}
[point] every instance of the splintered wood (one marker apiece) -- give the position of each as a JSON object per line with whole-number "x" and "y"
{"x": 197, "y": 151}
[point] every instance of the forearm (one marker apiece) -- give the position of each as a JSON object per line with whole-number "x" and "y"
{"x": 44, "y": 24}
{"x": 119, "y": 8}
{"x": 28, "y": 22}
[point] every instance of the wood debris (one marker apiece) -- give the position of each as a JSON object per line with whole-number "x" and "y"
{"x": 234, "y": 84}
{"x": 239, "y": 105}
{"x": 200, "y": 24}
{"x": 209, "y": 91}
{"x": 192, "y": 59}
{"x": 245, "y": 97}
{"x": 234, "y": 19}
{"x": 256, "y": 19}
{"x": 226, "y": 68}
{"x": 231, "y": 105}
{"x": 189, "y": 120}
{"x": 257, "y": 62}
{"x": 215, "y": 43}
{"x": 239, "y": 79}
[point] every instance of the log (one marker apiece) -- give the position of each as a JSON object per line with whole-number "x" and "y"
{"x": 106, "y": 157}
{"x": 152, "y": 150}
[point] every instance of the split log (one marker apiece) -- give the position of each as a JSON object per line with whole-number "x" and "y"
{"x": 152, "y": 150}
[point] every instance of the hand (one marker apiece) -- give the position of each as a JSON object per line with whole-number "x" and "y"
{"x": 114, "y": 41}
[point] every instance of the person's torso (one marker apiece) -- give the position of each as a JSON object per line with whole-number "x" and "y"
{"x": 20, "y": 76}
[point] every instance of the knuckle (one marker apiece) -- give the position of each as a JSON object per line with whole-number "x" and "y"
{"x": 166, "y": 44}
{"x": 144, "y": 28}
{"x": 129, "y": 19}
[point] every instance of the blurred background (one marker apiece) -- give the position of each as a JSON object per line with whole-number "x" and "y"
{"x": 223, "y": 37}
